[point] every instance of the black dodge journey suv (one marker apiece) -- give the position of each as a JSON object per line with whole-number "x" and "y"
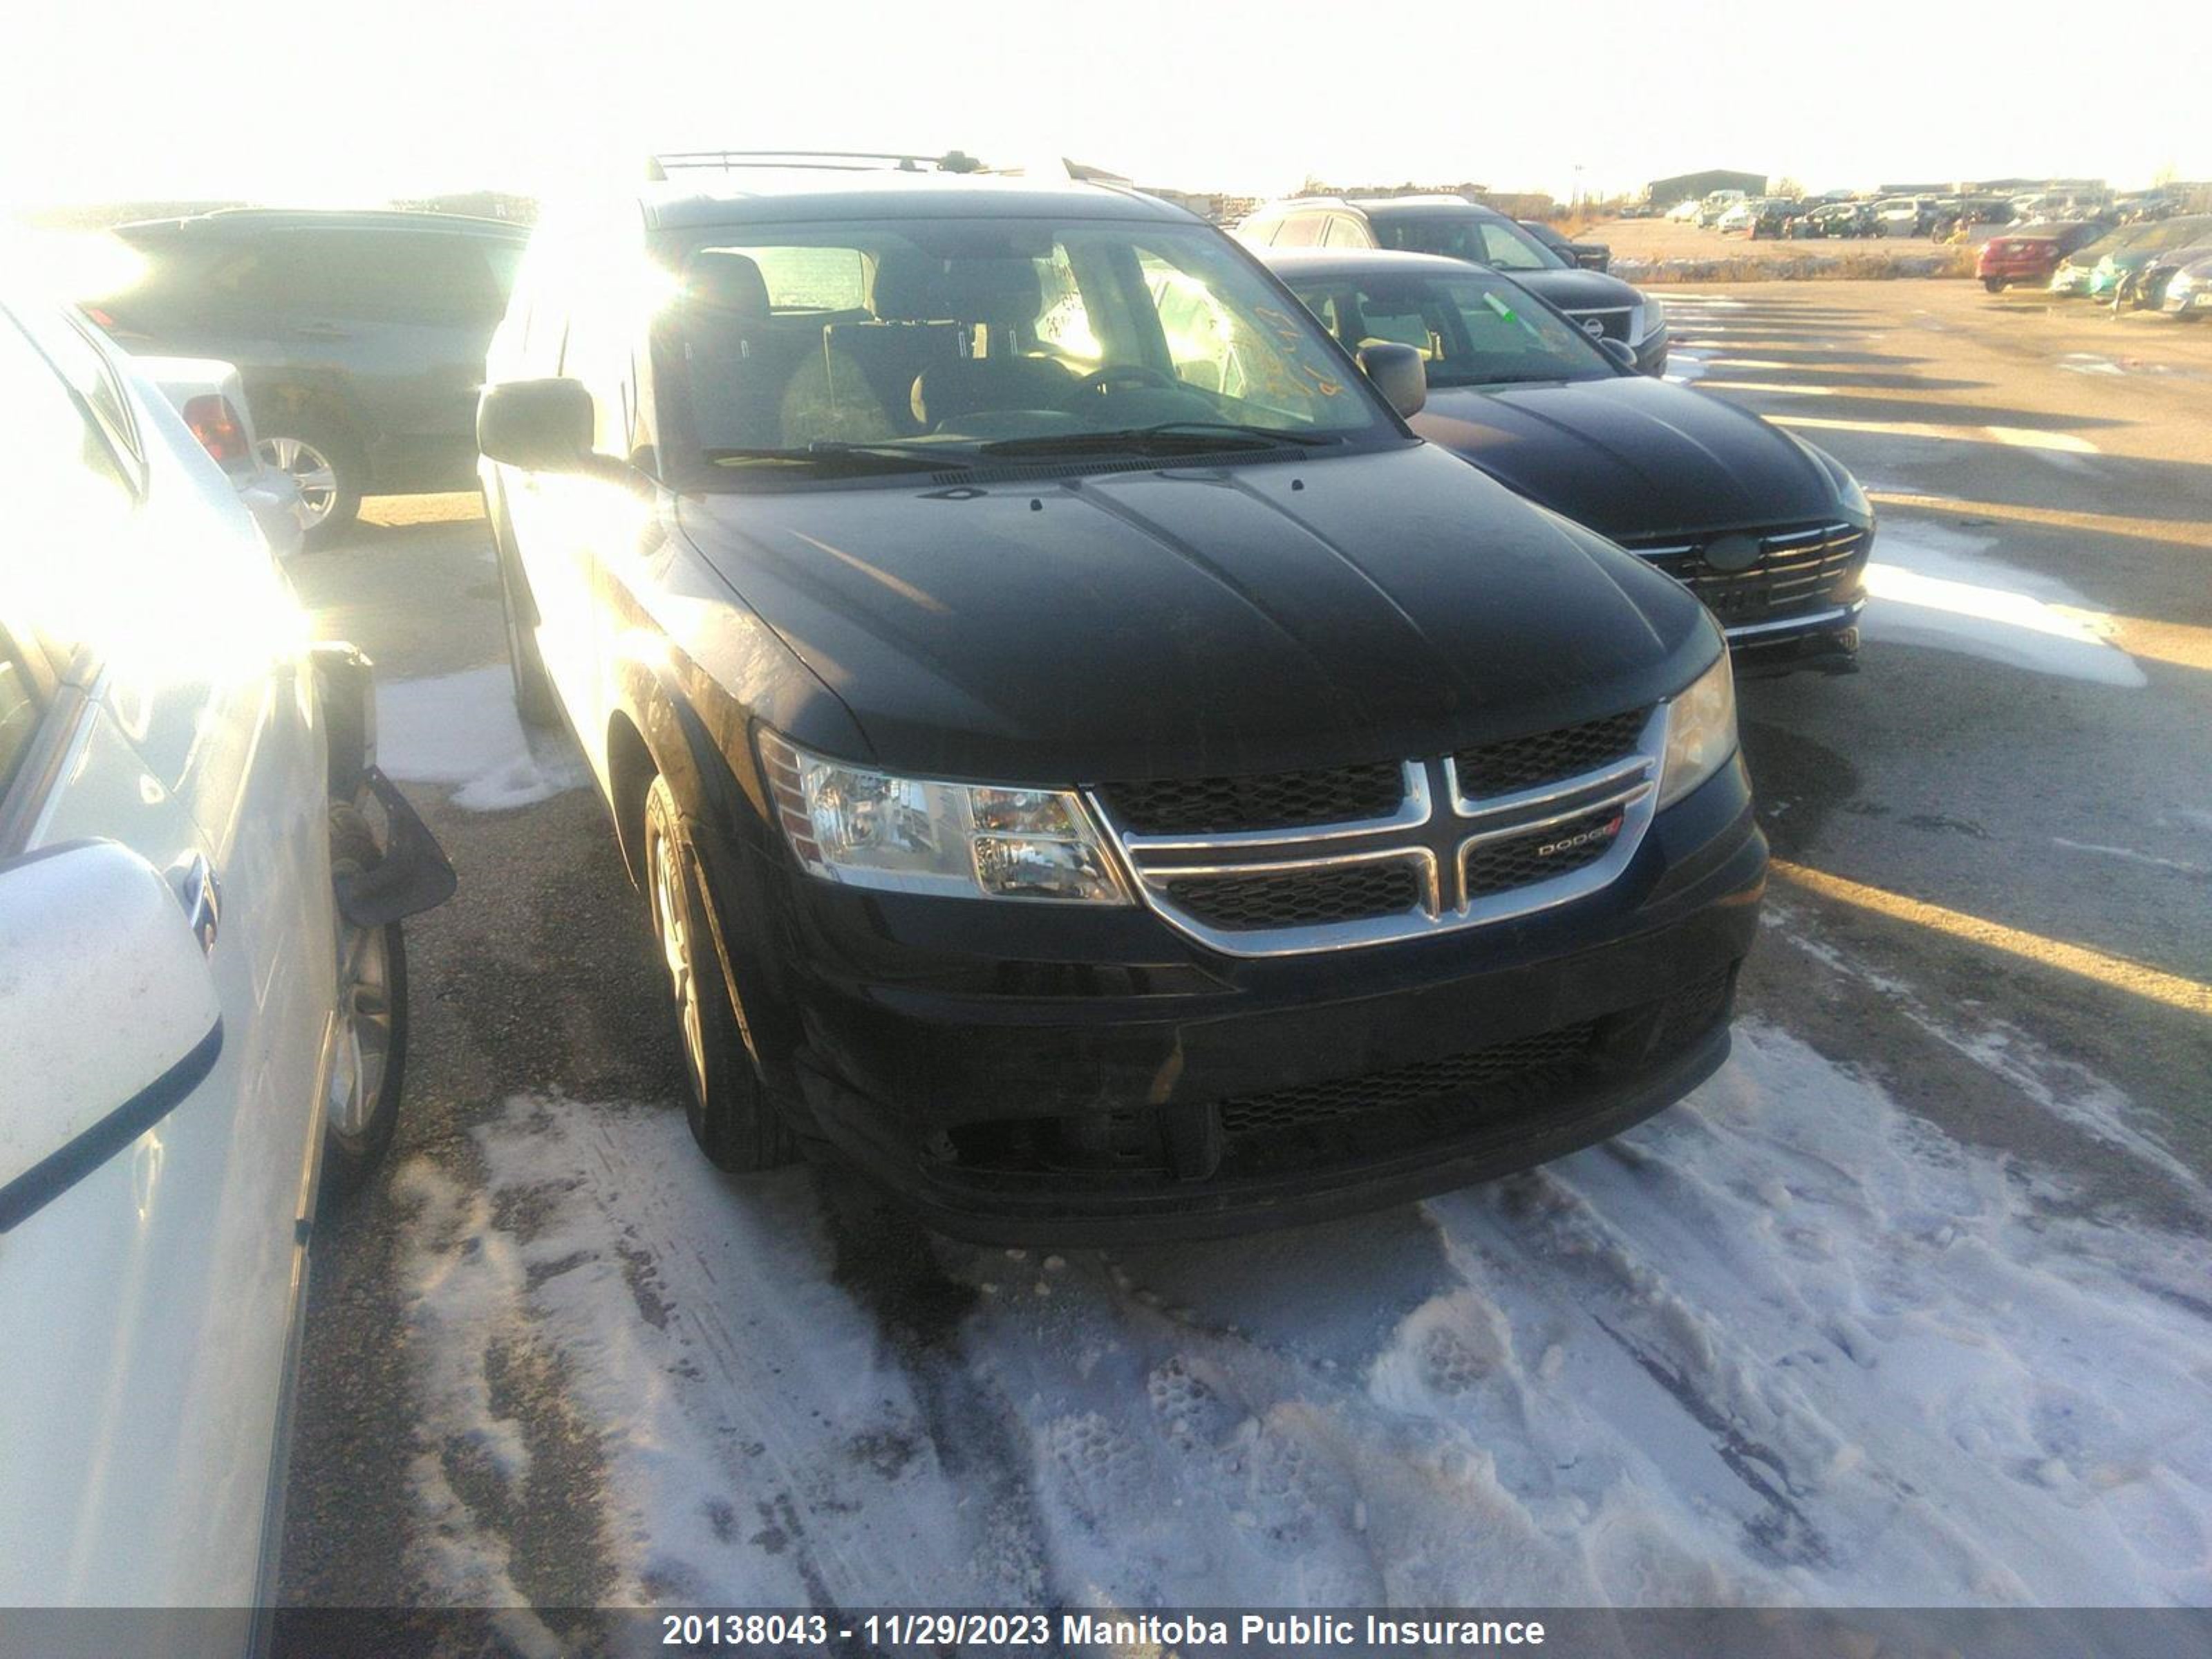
{"x": 1089, "y": 763}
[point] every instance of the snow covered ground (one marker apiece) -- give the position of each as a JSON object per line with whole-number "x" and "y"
{"x": 1785, "y": 1343}
{"x": 461, "y": 730}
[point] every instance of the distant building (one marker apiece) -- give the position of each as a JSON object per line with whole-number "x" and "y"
{"x": 1685, "y": 186}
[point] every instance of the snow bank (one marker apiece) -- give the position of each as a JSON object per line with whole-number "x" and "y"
{"x": 1786, "y": 1343}
{"x": 461, "y": 730}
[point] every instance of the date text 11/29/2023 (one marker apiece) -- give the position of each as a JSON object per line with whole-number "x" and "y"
{"x": 1272, "y": 1632}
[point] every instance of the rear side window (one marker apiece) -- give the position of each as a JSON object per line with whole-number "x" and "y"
{"x": 1298, "y": 230}
{"x": 813, "y": 278}
{"x": 385, "y": 275}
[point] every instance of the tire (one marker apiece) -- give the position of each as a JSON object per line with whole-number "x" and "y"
{"x": 373, "y": 1018}
{"x": 734, "y": 1120}
{"x": 1995, "y": 284}
{"x": 324, "y": 459}
{"x": 535, "y": 699}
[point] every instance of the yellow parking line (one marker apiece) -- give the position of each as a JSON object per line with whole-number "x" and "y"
{"x": 2180, "y": 530}
{"x": 2117, "y": 972}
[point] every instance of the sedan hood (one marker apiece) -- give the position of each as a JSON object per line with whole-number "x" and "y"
{"x": 1577, "y": 290}
{"x": 1633, "y": 457}
{"x": 1195, "y": 620}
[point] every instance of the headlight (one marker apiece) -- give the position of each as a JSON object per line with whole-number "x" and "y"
{"x": 2179, "y": 286}
{"x": 868, "y": 829}
{"x": 1700, "y": 732}
{"x": 1650, "y": 318}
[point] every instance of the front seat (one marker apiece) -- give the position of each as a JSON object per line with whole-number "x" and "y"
{"x": 736, "y": 364}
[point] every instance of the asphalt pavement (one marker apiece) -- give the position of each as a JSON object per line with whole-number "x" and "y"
{"x": 1993, "y": 896}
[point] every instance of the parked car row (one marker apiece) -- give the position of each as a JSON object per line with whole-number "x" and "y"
{"x": 1121, "y": 734}
{"x": 2141, "y": 265}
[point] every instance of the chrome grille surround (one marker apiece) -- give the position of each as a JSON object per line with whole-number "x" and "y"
{"x": 1436, "y": 830}
{"x": 1803, "y": 577}
{"x": 1614, "y": 322}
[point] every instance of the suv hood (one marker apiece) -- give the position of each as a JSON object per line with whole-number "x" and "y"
{"x": 1182, "y": 620}
{"x": 1633, "y": 456}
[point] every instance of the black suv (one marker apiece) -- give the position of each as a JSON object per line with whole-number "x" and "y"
{"x": 1089, "y": 763}
{"x": 361, "y": 336}
{"x": 1605, "y": 306}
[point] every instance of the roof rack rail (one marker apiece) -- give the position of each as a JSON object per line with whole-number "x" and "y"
{"x": 855, "y": 160}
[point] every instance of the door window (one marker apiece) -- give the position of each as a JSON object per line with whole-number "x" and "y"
{"x": 1298, "y": 230}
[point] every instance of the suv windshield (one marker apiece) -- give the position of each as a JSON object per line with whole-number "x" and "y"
{"x": 857, "y": 347}
{"x": 1471, "y": 329}
{"x": 1498, "y": 243}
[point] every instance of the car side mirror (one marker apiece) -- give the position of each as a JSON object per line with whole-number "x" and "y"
{"x": 1399, "y": 374}
{"x": 108, "y": 1014}
{"x": 1619, "y": 351}
{"x": 540, "y": 426}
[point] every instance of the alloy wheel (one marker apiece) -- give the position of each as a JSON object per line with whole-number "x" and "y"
{"x": 310, "y": 470}
{"x": 672, "y": 907}
{"x": 365, "y": 1031}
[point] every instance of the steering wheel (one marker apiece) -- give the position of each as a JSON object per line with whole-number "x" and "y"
{"x": 1115, "y": 374}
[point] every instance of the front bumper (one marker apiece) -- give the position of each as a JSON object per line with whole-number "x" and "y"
{"x": 1084, "y": 1078}
{"x": 1826, "y": 639}
{"x": 2193, "y": 302}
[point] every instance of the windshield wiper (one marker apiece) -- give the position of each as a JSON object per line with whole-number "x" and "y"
{"x": 835, "y": 456}
{"x": 1165, "y": 437}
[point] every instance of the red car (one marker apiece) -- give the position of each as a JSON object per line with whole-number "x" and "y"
{"x": 2031, "y": 255}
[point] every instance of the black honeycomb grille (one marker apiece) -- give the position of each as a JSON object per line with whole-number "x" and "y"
{"x": 1512, "y": 861}
{"x": 1276, "y": 801}
{"x": 1454, "y": 1076}
{"x": 1305, "y": 898}
{"x": 1518, "y": 763}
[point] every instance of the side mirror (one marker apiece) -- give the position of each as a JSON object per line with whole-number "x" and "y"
{"x": 540, "y": 426}
{"x": 1619, "y": 351}
{"x": 1399, "y": 374}
{"x": 108, "y": 1017}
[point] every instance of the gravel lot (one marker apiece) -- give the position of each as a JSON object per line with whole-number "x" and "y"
{"x": 1663, "y": 239}
{"x": 1906, "y": 1307}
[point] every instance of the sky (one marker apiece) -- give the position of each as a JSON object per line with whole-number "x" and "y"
{"x": 310, "y": 103}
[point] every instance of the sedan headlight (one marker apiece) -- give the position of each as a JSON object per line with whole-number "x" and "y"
{"x": 1700, "y": 732}
{"x": 868, "y": 829}
{"x": 1650, "y": 318}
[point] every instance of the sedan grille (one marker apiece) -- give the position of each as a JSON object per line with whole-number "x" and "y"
{"x": 1795, "y": 571}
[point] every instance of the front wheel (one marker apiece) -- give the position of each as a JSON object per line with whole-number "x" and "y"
{"x": 732, "y": 1117}
{"x": 1995, "y": 284}
{"x": 361, "y": 1104}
